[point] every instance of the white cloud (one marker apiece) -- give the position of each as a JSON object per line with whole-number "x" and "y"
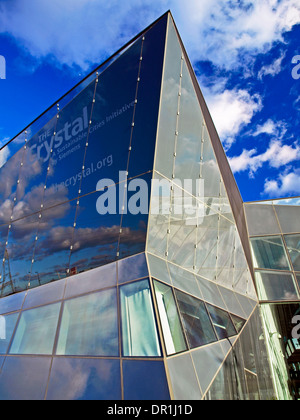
{"x": 85, "y": 31}
{"x": 231, "y": 110}
{"x": 220, "y": 30}
{"x": 276, "y": 156}
{"x": 272, "y": 69}
{"x": 275, "y": 129}
{"x": 287, "y": 183}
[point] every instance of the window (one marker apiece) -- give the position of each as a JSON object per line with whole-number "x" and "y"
{"x": 268, "y": 252}
{"x": 36, "y": 331}
{"x": 293, "y": 245}
{"x": 198, "y": 327}
{"x": 222, "y": 322}
{"x": 169, "y": 318}
{"x": 139, "y": 335}
{"x": 89, "y": 325}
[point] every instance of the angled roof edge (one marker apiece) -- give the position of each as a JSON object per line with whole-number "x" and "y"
{"x": 136, "y": 37}
{"x": 233, "y": 192}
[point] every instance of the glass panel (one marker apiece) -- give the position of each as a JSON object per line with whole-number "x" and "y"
{"x": 207, "y": 240}
{"x": 261, "y": 219}
{"x": 293, "y": 245}
{"x": 182, "y": 234}
{"x": 7, "y": 326}
{"x": 165, "y": 146}
{"x": 36, "y": 331}
{"x": 185, "y": 384}
{"x": 89, "y": 325}
{"x": 148, "y": 97}
{"x": 84, "y": 379}
{"x": 109, "y": 138}
{"x": 145, "y": 380}
{"x": 134, "y": 218}
{"x": 196, "y": 321}
{"x": 9, "y": 175}
{"x": 169, "y": 319}
{"x": 95, "y": 236}
{"x": 33, "y": 173}
{"x": 275, "y": 286}
{"x": 189, "y": 131}
{"x": 158, "y": 268}
{"x": 222, "y": 322}
{"x": 24, "y": 378}
{"x": 237, "y": 322}
{"x": 67, "y": 160}
{"x": 43, "y": 295}
{"x": 20, "y": 251}
{"x": 132, "y": 268}
{"x": 54, "y": 240}
{"x": 139, "y": 335}
{"x": 269, "y": 252}
{"x": 159, "y": 215}
{"x": 207, "y": 361}
{"x": 184, "y": 280}
{"x": 225, "y": 251}
{"x": 11, "y": 303}
{"x": 98, "y": 278}
{"x": 3, "y": 238}
{"x": 289, "y": 218}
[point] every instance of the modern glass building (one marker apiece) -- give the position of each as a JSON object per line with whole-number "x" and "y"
{"x": 130, "y": 267}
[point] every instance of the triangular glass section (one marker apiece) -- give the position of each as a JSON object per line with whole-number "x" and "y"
{"x": 192, "y": 223}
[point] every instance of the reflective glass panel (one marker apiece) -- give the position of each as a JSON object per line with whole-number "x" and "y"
{"x": 169, "y": 318}
{"x": 261, "y": 219}
{"x": 182, "y": 234}
{"x": 109, "y": 138}
{"x": 7, "y": 326}
{"x": 198, "y": 327}
{"x": 89, "y": 325}
{"x": 139, "y": 334}
{"x": 165, "y": 147}
{"x": 207, "y": 241}
{"x": 148, "y": 97}
{"x": 189, "y": 131}
{"x": 66, "y": 166}
{"x": 289, "y": 217}
{"x": 9, "y": 175}
{"x": 145, "y": 380}
{"x": 275, "y": 286}
{"x": 132, "y": 268}
{"x": 158, "y": 268}
{"x": 43, "y": 295}
{"x": 269, "y": 252}
{"x": 36, "y": 331}
{"x": 24, "y": 378}
{"x": 20, "y": 252}
{"x": 98, "y": 278}
{"x": 222, "y": 322}
{"x": 293, "y": 245}
{"x": 84, "y": 379}
{"x": 54, "y": 240}
{"x": 33, "y": 173}
{"x": 159, "y": 215}
{"x": 11, "y": 303}
{"x": 134, "y": 218}
{"x": 3, "y": 239}
{"x": 96, "y": 235}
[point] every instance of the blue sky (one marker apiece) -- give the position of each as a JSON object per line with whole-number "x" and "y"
{"x": 244, "y": 54}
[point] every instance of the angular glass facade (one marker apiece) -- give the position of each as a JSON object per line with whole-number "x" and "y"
{"x": 274, "y": 236}
{"x": 127, "y": 272}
